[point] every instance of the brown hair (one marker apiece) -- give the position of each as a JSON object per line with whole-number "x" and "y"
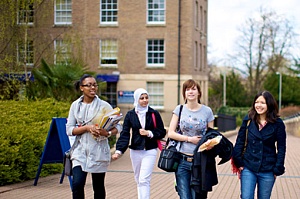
{"x": 272, "y": 112}
{"x": 190, "y": 83}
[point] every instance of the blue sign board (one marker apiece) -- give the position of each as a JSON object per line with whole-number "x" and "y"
{"x": 56, "y": 145}
{"x": 125, "y": 97}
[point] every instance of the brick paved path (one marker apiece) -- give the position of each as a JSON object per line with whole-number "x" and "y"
{"x": 120, "y": 182}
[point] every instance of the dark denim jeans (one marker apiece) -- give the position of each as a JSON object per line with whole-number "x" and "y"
{"x": 78, "y": 183}
{"x": 263, "y": 180}
{"x": 183, "y": 180}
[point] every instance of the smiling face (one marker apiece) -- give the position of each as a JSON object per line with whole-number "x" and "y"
{"x": 89, "y": 87}
{"x": 192, "y": 94}
{"x": 143, "y": 100}
{"x": 260, "y": 105}
{"x": 189, "y": 88}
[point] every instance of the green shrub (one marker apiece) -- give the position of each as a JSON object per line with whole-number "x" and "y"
{"x": 234, "y": 111}
{"x": 25, "y": 126}
{"x": 239, "y": 121}
{"x": 24, "y": 130}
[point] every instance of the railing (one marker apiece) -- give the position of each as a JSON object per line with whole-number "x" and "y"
{"x": 292, "y": 124}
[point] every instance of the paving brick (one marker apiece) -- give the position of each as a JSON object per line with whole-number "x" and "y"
{"x": 120, "y": 182}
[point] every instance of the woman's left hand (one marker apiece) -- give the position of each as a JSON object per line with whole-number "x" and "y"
{"x": 144, "y": 132}
{"x": 94, "y": 131}
{"x": 208, "y": 146}
{"x": 98, "y": 132}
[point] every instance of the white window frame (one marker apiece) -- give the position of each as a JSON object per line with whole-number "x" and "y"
{"x": 156, "y": 11}
{"x": 108, "y": 6}
{"x": 22, "y": 12}
{"x": 156, "y": 93}
{"x": 108, "y": 52}
{"x": 62, "y": 52}
{"x": 29, "y": 53}
{"x": 63, "y": 12}
{"x": 156, "y": 54}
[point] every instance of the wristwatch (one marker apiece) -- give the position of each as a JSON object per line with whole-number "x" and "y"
{"x": 109, "y": 134}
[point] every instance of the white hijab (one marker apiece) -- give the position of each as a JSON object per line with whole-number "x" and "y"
{"x": 141, "y": 111}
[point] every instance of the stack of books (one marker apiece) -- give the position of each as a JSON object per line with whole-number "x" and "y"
{"x": 111, "y": 119}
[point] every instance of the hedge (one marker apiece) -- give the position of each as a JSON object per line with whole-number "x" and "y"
{"x": 24, "y": 130}
{"x": 23, "y": 133}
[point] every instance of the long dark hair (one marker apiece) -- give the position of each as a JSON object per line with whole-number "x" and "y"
{"x": 272, "y": 112}
{"x": 78, "y": 83}
{"x": 190, "y": 83}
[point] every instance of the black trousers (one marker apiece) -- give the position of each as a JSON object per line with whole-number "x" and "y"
{"x": 78, "y": 183}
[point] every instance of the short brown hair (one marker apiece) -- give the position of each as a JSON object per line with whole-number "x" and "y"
{"x": 190, "y": 83}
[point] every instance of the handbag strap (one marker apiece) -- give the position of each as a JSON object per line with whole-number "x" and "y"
{"x": 154, "y": 120}
{"x": 179, "y": 116}
{"x": 246, "y": 139}
{"x": 74, "y": 144}
{"x": 178, "y": 123}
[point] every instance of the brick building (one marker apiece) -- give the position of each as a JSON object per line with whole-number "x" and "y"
{"x": 154, "y": 44}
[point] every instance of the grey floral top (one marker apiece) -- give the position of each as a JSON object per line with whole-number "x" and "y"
{"x": 193, "y": 123}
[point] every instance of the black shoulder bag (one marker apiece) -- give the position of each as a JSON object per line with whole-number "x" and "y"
{"x": 169, "y": 156}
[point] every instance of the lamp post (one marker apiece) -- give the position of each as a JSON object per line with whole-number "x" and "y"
{"x": 280, "y": 89}
{"x": 224, "y": 88}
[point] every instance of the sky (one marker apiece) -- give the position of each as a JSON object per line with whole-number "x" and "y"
{"x": 225, "y": 17}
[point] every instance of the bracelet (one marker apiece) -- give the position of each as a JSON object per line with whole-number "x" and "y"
{"x": 187, "y": 140}
{"x": 109, "y": 134}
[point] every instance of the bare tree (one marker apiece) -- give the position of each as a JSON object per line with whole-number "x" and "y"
{"x": 22, "y": 39}
{"x": 264, "y": 46}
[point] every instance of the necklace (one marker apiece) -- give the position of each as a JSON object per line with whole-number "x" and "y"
{"x": 260, "y": 126}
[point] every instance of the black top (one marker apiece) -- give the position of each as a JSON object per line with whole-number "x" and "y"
{"x": 139, "y": 142}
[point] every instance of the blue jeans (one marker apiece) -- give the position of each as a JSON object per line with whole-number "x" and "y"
{"x": 78, "y": 183}
{"x": 263, "y": 180}
{"x": 183, "y": 180}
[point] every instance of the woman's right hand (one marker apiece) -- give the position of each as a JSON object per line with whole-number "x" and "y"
{"x": 93, "y": 130}
{"x": 194, "y": 139}
{"x": 115, "y": 156}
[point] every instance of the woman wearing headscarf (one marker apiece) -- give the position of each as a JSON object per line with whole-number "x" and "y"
{"x": 143, "y": 146}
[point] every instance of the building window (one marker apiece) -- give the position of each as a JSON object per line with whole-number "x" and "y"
{"x": 111, "y": 93}
{"x": 201, "y": 19}
{"x": 197, "y": 14}
{"x": 196, "y": 65}
{"x": 201, "y": 58}
{"x": 109, "y": 53}
{"x": 156, "y": 93}
{"x": 204, "y": 58}
{"x": 156, "y": 12}
{"x": 62, "y": 52}
{"x": 108, "y": 11}
{"x": 155, "y": 52}
{"x": 25, "y": 55}
{"x": 26, "y": 12}
{"x": 63, "y": 12}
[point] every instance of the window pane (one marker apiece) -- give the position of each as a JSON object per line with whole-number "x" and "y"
{"x": 63, "y": 12}
{"x": 155, "y": 52}
{"x": 156, "y": 11}
{"x": 108, "y": 52}
{"x": 26, "y": 13}
{"x": 109, "y": 11}
{"x": 156, "y": 93}
{"x": 62, "y": 52}
{"x": 29, "y": 53}
{"x": 111, "y": 93}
